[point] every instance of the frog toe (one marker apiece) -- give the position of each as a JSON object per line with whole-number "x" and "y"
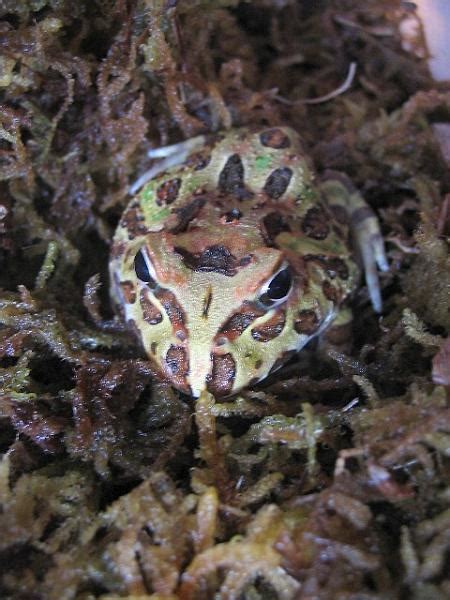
{"x": 170, "y": 156}
{"x": 373, "y": 255}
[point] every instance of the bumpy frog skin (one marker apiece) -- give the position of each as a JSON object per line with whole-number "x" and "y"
{"x": 231, "y": 261}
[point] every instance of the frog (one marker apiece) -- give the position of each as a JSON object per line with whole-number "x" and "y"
{"x": 234, "y": 256}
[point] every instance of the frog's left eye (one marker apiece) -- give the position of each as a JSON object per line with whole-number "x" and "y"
{"x": 277, "y": 289}
{"x": 144, "y": 268}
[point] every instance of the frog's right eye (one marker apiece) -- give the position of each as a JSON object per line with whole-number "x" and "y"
{"x": 277, "y": 289}
{"x": 144, "y": 268}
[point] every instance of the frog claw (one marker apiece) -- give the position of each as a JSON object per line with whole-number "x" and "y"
{"x": 380, "y": 254}
{"x": 177, "y": 149}
{"x": 371, "y": 248}
{"x": 171, "y": 156}
{"x": 340, "y": 192}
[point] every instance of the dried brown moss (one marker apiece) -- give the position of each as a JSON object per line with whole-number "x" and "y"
{"x": 331, "y": 479}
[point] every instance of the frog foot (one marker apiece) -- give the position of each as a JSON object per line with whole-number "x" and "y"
{"x": 341, "y": 193}
{"x": 171, "y": 156}
{"x": 369, "y": 241}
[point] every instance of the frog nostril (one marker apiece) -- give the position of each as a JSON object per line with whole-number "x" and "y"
{"x": 232, "y": 216}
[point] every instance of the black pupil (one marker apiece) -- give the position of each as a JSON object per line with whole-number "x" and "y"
{"x": 280, "y": 285}
{"x": 140, "y": 266}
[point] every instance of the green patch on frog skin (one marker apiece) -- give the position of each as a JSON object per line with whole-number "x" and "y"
{"x": 153, "y": 213}
{"x": 305, "y": 245}
{"x": 148, "y": 192}
{"x": 309, "y": 194}
{"x": 263, "y": 162}
{"x": 191, "y": 184}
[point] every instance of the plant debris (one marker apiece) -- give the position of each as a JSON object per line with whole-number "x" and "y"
{"x": 328, "y": 480}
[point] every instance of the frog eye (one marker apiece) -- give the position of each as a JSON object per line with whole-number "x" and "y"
{"x": 277, "y": 289}
{"x": 144, "y": 268}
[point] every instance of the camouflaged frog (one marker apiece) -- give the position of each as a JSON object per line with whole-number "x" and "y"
{"x": 232, "y": 258}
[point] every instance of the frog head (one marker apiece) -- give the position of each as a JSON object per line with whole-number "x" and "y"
{"x": 214, "y": 310}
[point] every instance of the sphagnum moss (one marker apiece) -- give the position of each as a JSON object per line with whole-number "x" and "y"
{"x": 334, "y": 475}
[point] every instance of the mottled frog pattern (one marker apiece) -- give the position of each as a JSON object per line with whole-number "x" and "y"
{"x": 227, "y": 263}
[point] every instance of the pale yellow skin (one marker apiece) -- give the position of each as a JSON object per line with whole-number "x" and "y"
{"x": 212, "y": 233}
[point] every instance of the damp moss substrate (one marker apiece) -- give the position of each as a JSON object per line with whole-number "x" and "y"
{"x": 331, "y": 479}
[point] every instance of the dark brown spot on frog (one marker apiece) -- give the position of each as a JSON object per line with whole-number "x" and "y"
{"x": 271, "y": 328}
{"x": 307, "y": 322}
{"x": 238, "y": 322}
{"x": 340, "y": 214}
{"x": 278, "y": 182}
{"x": 258, "y": 364}
{"x": 153, "y": 347}
{"x": 336, "y": 266}
{"x": 340, "y": 177}
{"x": 330, "y": 292}
{"x": 232, "y": 175}
{"x": 185, "y": 214}
{"x": 275, "y": 138}
{"x": 273, "y": 224}
{"x": 173, "y": 309}
{"x": 220, "y": 381}
{"x": 214, "y": 259}
{"x": 150, "y": 312}
{"x": 315, "y": 223}
{"x": 167, "y": 192}
{"x": 361, "y": 214}
{"x": 133, "y": 221}
{"x": 198, "y": 161}
{"x": 177, "y": 367}
{"x": 231, "y": 179}
{"x": 332, "y": 265}
{"x": 128, "y": 291}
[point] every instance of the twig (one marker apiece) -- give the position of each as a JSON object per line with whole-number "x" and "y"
{"x": 337, "y": 92}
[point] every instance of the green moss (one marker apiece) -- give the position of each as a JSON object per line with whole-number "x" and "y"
{"x": 330, "y": 476}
